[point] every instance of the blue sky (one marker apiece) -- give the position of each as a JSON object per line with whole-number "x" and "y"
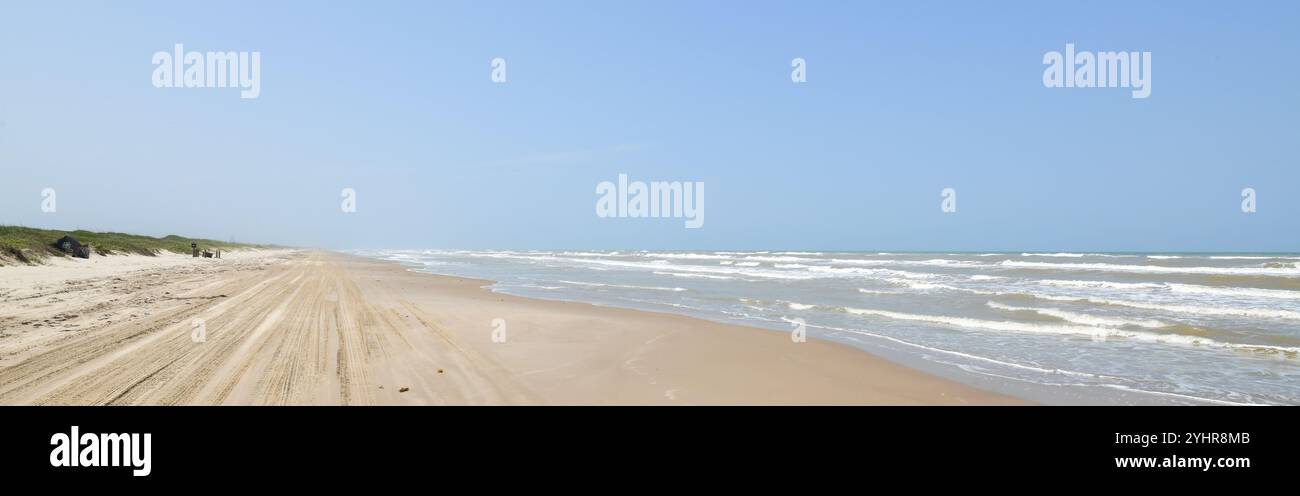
{"x": 902, "y": 100}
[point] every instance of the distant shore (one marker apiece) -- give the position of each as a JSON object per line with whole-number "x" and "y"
{"x": 303, "y": 327}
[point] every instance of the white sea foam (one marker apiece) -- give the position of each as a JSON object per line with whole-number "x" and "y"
{"x": 993, "y": 325}
{"x": 1101, "y": 284}
{"x": 1078, "y": 330}
{"x": 871, "y": 273}
{"x": 1290, "y": 271}
{"x": 588, "y": 254}
{"x": 1219, "y": 311}
{"x": 934, "y": 262}
{"x": 538, "y": 286}
{"x": 790, "y": 266}
{"x": 1250, "y": 257}
{"x": 664, "y": 266}
{"x": 917, "y": 285}
{"x": 1176, "y": 395}
{"x": 697, "y": 276}
{"x": 1080, "y": 318}
{"x": 1076, "y": 255}
{"x": 1191, "y": 289}
{"x": 687, "y": 256}
{"x": 877, "y": 292}
{"x": 779, "y": 259}
{"x": 624, "y": 286}
{"x": 957, "y": 353}
{"x": 921, "y": 285}
{"x": 1234, "y": 292}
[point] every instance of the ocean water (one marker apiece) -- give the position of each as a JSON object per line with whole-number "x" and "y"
{"x": 1060, "y": 328}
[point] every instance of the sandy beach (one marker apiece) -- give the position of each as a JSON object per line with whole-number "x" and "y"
{"x": 319, "y": 328}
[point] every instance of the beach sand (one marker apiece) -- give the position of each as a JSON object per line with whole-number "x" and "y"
{"x": 319, "y": 328}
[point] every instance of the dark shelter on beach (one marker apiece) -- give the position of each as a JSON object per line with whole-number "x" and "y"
{"x": 71, "y": 246}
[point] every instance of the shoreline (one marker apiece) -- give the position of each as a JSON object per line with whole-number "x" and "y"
{"x": 314, "y": 327}
{"x": 1094, "y": 331}
{"x": 825, "y": 359}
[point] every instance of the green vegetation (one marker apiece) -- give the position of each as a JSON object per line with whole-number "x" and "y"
{"x": 27, "y": 245}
